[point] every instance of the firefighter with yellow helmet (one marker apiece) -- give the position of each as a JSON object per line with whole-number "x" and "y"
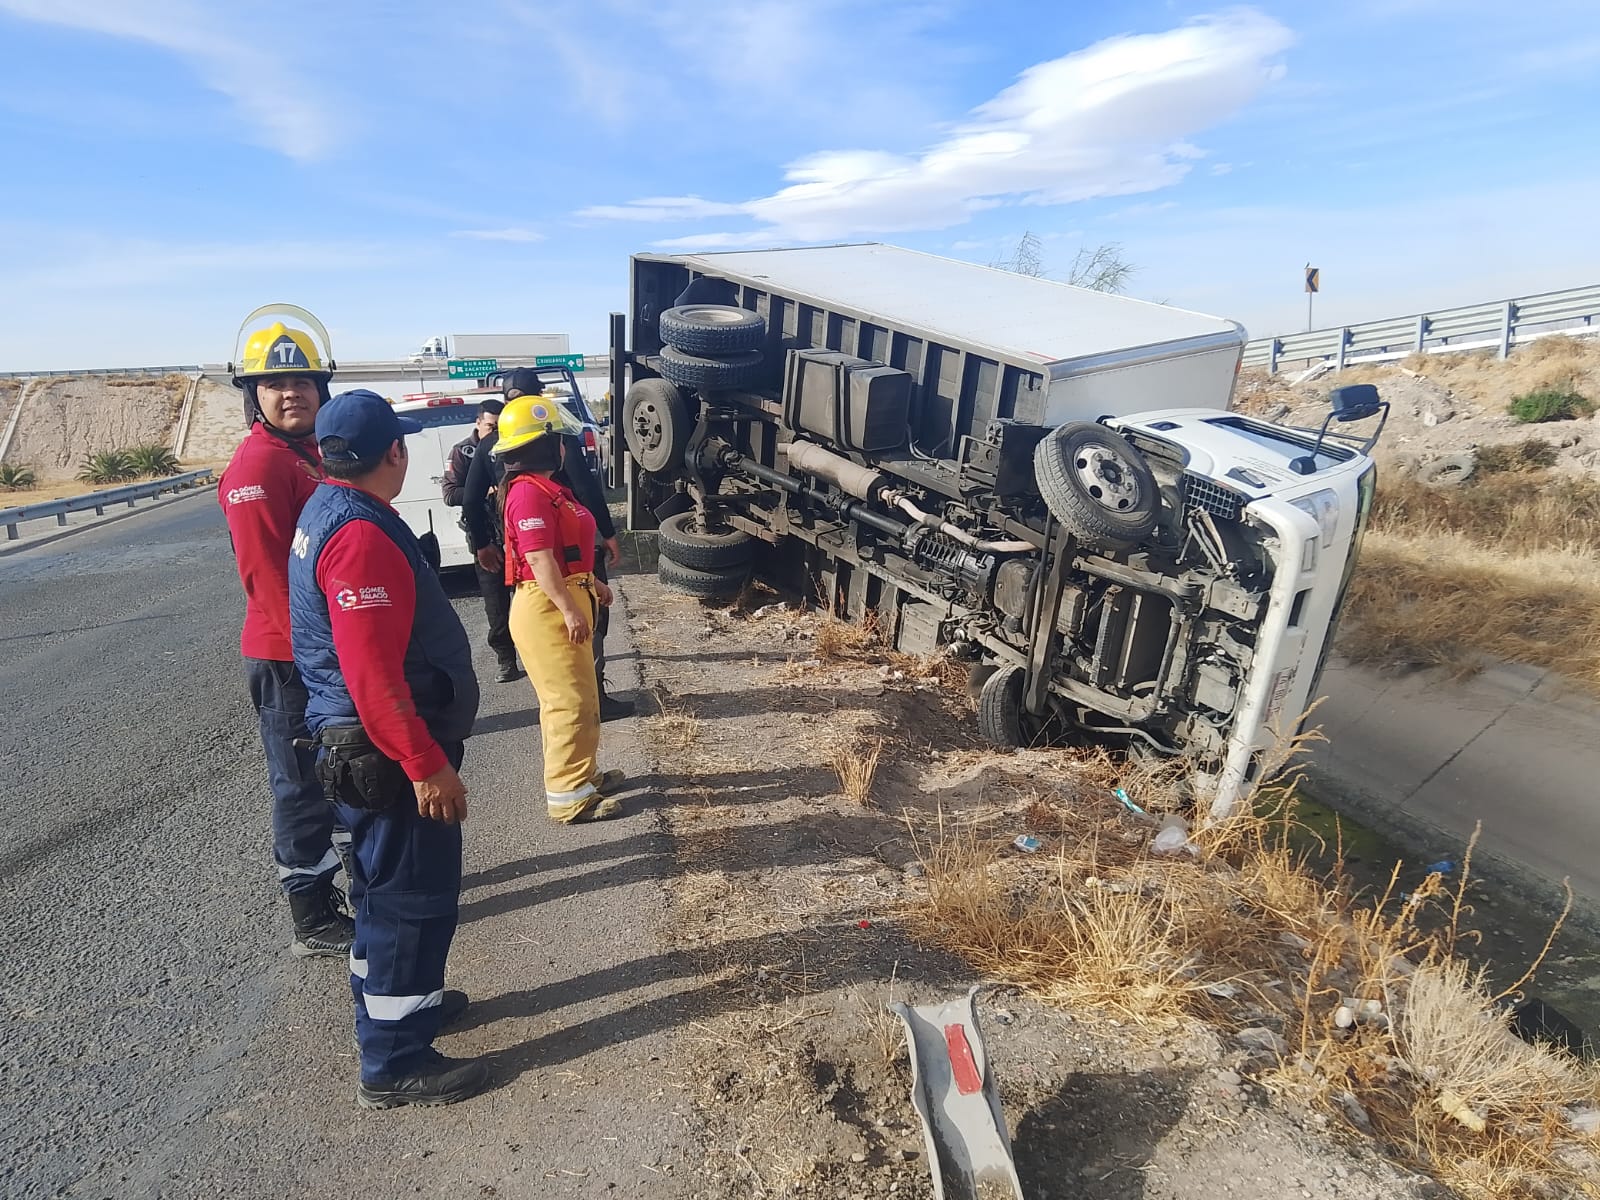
{"x": 282, "y": 365}
{"x": 549, "y": 560}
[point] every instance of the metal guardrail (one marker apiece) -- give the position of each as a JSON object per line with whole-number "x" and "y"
{"x": 1498, "y": 325}
{"x": 152, "y": 371}
{"x": 99, "y": 501}
{"x": 399, "y": 369}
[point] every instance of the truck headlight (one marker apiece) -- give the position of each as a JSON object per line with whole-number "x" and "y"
{"x": 1323, "y": 508}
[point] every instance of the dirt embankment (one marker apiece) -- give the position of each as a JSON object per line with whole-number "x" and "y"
{"x": 806, "y": 779}
{"x": 66, "y": 419}
{"x": 1445, "y": 404}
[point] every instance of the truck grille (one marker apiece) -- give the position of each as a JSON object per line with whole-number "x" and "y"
{"x": 1215, "y": 499}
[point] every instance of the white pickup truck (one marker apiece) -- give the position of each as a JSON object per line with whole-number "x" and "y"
{"x": 447, "y": 418}
{"x": 1042, "y": 480}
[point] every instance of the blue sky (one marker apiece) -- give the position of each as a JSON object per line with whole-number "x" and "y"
{"x": 407, "y": 169}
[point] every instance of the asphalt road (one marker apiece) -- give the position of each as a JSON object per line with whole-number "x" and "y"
{"x": 157, "y": 1038}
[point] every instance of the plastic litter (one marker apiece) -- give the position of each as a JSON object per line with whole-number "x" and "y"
{"x": 1173, "y": 838}
{"x": 1026, "y": 844}
{"x": 1443, "y": 867}
{"x": 1122, "y": 795}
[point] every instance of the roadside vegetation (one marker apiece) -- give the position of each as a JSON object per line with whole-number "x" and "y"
{"x": 1505, "y": 565}
{"x": 1359, "y": 1006}
{"x": 122, "y": 466}
{"x": 16, "y": 478}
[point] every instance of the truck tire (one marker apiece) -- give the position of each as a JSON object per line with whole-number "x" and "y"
{"x": 1450, "y": 471}
{"x": 1097, "y": 485}
{"x": 655, "y": 422}
{"x": 683, "y": 539}
{"x": 1000, "y": 715}
{"x": 698, "y": 372}
{"x": 707, "y": 585}
{"x": 713, "y": 329}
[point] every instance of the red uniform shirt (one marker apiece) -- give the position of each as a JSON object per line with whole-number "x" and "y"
{"x": 543, "y": 515}
{"x": 262, "y": 491}
{"x": 370, "y": 638}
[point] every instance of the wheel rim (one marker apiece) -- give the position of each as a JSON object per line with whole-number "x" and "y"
{"x": 649, "y": 423}
{"x": 1107, "y": 478}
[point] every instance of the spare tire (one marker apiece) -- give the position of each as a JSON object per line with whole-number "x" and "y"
{"x": 698, "y": 372}
{"x": 655, "y": 422}
{"x": 1097, "y": 485}
{"x": 683, "y": 538}
{"x": 1449, "y": 471}
{"x": 707, "y": 585}
{"x": 713, "y": 329}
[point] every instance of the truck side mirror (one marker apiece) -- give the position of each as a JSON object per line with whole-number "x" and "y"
{"x": 1354, "y": 402}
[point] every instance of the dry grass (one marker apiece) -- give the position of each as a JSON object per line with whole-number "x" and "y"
{"x": 856, "y": 766}
{"x": 1245, "y": 927}
{"x": 845, "y": 641}
{"x": 1507, "y": 566}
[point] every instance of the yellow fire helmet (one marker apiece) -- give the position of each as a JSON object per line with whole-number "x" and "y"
{"x": 528, "y": 418}
{"x": 282, "y": 339}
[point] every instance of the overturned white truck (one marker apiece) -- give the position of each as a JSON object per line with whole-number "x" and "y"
{"x": 1042, "y": 480}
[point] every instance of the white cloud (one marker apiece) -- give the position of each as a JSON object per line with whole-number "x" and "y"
{"x": 275, "y": 96}
{"x": 1105, "y": 121}
{"x": 499, "y": 235}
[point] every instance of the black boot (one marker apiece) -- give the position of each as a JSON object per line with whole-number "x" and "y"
{"x": 320, "y": 929}
{"x": 435, "y": 1080}
{"x": 508, "y": 670}
{"x": 612, "y": 709}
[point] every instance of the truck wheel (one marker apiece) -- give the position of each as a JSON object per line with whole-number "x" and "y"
{"x": 712, "y": 329}
{"x": 684, "y": 539}
{"x": 1097, "y": 485}
{"x": 1000, "y": 716}
{"x": 655, "y": 421}
{"x": 708, "y": 585}
{"x": 697, "y": 372}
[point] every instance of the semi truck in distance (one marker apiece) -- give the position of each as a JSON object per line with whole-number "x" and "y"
{"x": 492, "y": 345}
{"x": 1042, "y": 480}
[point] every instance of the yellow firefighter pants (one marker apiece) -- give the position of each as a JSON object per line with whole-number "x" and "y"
{"x": 569, "y": 695}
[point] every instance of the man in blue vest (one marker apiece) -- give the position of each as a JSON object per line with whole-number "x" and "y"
{"x": 388, "y": 670}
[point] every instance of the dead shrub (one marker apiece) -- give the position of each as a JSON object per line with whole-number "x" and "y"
{"x": 856, "y": 766}
{"x": 1389, "y": 1031}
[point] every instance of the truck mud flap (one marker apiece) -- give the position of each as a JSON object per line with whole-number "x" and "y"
{"x": 954, "y": 1093}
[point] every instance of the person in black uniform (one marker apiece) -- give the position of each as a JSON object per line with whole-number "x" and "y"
{"x": 485, "y": 535}
{"x": 491, "y": 583}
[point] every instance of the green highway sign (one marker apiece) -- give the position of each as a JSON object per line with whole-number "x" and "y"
{"x": 574, "y": 361}
{"x": 471, "y": 368}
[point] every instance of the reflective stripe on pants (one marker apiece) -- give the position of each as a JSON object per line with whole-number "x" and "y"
{"x": 563, "y": 675}
{"x": 406, "y": 890}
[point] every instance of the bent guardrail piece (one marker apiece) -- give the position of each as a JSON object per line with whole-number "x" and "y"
{"x": 99, "y": 501}
{"x": 955, "y": 1094}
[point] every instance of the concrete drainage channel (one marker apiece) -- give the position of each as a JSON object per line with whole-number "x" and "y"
{"x": 1414, "y": 760}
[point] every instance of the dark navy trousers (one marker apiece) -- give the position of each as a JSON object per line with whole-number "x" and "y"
{"x": 406, "y": 889}
{"x": 302, "y": 818}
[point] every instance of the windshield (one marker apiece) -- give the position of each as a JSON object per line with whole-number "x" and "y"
{"x": 442, "y": 415}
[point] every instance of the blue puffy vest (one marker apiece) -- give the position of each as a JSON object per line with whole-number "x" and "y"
{"x": 438, "y": 662}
